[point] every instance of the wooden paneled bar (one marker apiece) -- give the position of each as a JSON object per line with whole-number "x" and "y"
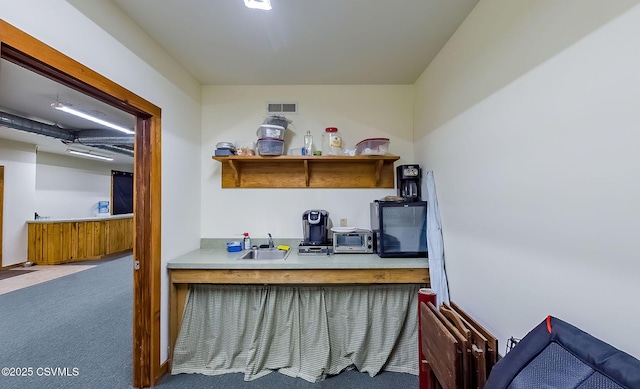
{"x": 52, "y": 242}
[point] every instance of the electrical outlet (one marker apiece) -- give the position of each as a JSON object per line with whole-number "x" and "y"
{"x": 343, "y": 222}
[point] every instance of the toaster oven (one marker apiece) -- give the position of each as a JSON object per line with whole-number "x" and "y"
{"x": 353, "y": 242}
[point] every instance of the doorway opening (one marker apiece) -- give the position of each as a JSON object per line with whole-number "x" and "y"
{"x": 28, "y": 52}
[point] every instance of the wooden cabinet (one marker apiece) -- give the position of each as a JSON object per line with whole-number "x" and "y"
{"x": 372, "y": 171}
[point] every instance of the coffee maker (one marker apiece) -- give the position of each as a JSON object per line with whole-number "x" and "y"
{"x": 409, "y": 182}
{"x": 315, "y": 236}
{"x": 314, "y": 225}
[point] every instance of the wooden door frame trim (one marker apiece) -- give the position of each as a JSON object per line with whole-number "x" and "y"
{"x": 33, "y": 54}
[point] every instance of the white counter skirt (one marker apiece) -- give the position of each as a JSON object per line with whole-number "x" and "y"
{"x": 221, "y": 259}
{"x": 301, "y": 331}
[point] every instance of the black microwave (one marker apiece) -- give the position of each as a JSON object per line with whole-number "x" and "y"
{"x": 400, "y": 228}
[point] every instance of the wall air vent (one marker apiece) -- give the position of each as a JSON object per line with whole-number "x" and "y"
{"x": 282, "y": 108}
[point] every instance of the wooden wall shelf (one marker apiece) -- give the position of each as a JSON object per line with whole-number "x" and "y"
{"x": 372, "y": 171}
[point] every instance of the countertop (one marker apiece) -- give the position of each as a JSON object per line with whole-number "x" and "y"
{"x": 217, "y": 258}
{"x": 82, "y": 219}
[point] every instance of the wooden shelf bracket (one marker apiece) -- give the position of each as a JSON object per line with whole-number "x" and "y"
{"x": 236, "y": 172}
{"x": 378, "y": 173}
{"x": 306, "y": 173}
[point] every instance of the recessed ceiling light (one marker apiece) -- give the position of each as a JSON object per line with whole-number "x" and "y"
{"x": 258, "y": 4}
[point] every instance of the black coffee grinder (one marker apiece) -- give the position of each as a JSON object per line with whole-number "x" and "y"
{"x": 409, "y": 182}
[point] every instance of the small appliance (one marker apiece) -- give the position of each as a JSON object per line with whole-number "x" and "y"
{"x": 314, "y": 226}
{"x": 315, "y": 239}
{"x": 409, "y": 182}
{"x": 399, "y": 228}
{"x": 357, "y": 241}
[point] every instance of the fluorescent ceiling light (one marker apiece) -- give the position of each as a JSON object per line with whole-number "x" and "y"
{"x": 89, "y": 154}
{"x": 75, "y": 112}
{"x": 258, "y": 4}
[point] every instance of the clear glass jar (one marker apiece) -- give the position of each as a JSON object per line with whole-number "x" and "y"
{"x": 331, "y": 142}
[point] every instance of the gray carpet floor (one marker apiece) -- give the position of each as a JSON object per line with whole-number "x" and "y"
{"x": 75, "y": 332}
{"x": 80, "y": 322}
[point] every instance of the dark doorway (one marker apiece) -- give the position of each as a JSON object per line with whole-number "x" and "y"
{"x": 121, "y": 192}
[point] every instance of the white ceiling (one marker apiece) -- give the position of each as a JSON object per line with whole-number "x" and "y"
{"x": 301, "y": 42}
{"x": 221, "y": 42}
{"x": 29, "y": 95}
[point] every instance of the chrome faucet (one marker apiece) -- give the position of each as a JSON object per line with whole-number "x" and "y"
{"x": 270, "y": 241}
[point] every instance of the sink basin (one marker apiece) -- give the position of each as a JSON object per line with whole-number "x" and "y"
{"x": 265, "y": 254}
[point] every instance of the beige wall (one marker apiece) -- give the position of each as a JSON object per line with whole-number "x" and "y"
{"x": 19, "y": 161}
{"x": 529, "y": 119}
{"x": 70, "y": 187}
{"x": 233, "y": 113}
